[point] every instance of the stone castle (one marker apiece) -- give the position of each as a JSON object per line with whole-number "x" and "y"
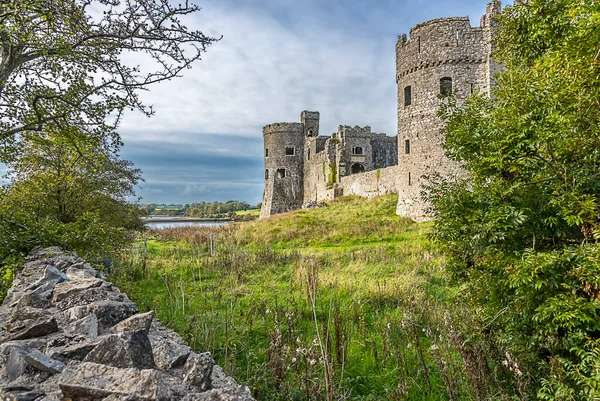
{"x": 442, "y": 57}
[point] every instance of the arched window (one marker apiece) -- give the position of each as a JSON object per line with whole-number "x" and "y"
{"x": 266, "y": 152}
{"x": 280, "y": 173}
{"x": 407, "y": 95}
{"x": 407, "y": 146}
{"x": 446, "y": 86}
{"x": 357, "y": 150}
{"x": 266, "y": 174}
{"x": 357, "y": 168}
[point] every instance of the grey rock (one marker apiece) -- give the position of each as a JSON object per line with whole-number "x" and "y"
{"x": 19, "y": 394}
{"x": 38, "y": 298}
{"x": 219, "y": 378}
{"x": 51, "y": 275}
{"x": 74, "y": 287}
{"x": 94, "y": 381}
{"x": 15, "y": 364}
{"x": 75, "y": 352}
{"x": 43, "y": 363}
{"x": 168, "y": 354}
{"x": 123, "y": 350}
{"x": 86, "y": 326}
{"x": 139, "y": 322}
{"x": 82, "y": 271}
{"x": 91, "y": 295}
{"x": 29, "y": 323}
{"x": 198, "y": 369}
{"x": 239, "y": 393}
{"x": 108, "y": 312}
{"x": 7, "y": 347}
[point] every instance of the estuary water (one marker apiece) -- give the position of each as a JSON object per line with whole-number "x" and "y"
{"x": 171, "y": 224}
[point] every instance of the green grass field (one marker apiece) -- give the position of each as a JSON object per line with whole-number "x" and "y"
{"x": 249, "y": 212}
{"x": 343, "y": 302}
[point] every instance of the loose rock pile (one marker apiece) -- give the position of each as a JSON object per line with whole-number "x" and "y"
{"x": 68, "y": 334}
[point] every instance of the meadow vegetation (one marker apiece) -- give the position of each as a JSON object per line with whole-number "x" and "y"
{"x": 347, "y": 302}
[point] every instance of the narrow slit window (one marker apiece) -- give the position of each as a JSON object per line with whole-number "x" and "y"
{"x": 407, "y": 146}
{"x": 266, "y": 152}
{"x": 290, "y": 151}
{"x": 446, "y": 86}
{"x": 407, "y": 96}
{"x": 308, "y": 154}
{"x": 419, "y": 44}
{"x": 357, "y": 150}
{"x": 280, "y": 173}
{"x": 266, "y": 174}
{"x": 409, "y": 178}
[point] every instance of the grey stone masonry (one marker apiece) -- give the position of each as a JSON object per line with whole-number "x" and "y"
{"x": 68, "y": 334}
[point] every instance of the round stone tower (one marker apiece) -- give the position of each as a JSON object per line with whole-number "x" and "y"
{"x": 284, "y": 168}
{"x": 443, "y": 57}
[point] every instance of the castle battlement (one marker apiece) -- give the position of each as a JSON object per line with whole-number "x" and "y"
{"x": 444, "y": 57}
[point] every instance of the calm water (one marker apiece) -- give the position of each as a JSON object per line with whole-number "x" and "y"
{"x": 169, "y": 224}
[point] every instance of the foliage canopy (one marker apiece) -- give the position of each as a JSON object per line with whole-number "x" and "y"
{"x": 522, "y": 230}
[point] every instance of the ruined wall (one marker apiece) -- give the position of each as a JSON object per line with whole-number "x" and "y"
{"x": 378, "y": 182}
{"x": 385, "y": 150}
{"x": 284, "y": 173}
{"x": 317, "y": 167}
{"x": 444, "y": 57}
{"x": 68, "y": 334}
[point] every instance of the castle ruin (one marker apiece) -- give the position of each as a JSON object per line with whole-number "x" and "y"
{"x": 442, "y": 57}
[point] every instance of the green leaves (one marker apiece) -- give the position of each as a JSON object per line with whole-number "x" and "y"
{"x": 521, "y": 232}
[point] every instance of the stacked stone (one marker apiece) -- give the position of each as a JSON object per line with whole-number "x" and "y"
{"x": 68, "y": 334}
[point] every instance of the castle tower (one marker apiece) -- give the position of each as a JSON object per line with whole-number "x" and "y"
{"x": 443, "y": 57}
{"x": 284, "y": 163}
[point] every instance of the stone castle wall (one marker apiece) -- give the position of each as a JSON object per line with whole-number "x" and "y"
{"x": 284, "y": 173}
{"x": 442, "y": 58}
{"x": 370, "y": 184}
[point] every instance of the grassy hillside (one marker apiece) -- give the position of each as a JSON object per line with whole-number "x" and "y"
{"x": 342, "y": 302}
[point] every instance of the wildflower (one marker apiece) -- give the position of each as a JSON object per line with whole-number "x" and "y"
{"x": 294, "y": 360}
{"x": 434, "y": 347}
{"x": 409, "y": 345}
{"x": 389, "y": 326}
{"x": 312, "y": 361}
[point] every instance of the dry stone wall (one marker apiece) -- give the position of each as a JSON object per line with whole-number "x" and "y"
{"x": 68, "y": 334}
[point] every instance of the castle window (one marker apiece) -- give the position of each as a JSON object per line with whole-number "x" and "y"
{"x": 290, "y": 151}
{"x": 357, "y": 168}
{"x": 419, "y": 44}
{"x": 280, "y": 173}
{"x": 308, "y": 154}
{"x": 266, "y": 174}
{"x": 407, "y": 146}
{"x": 357, "y": 150}
{"x": 409, "y": 181}
{"x": 266, "y": 152}
{"x": 407, "y": 96}
{"x": 446, "y": 86}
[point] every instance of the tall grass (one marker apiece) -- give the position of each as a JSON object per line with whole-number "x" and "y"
{"x": 347, "y": 302}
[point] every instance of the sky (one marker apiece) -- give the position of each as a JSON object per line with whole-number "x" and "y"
{"x": 275, "y": 59}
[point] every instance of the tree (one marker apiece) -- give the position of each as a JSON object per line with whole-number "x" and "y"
{"x": 521, "y": 232}
{"x": 63, "y": 62}
{"x": 67, "y": 193}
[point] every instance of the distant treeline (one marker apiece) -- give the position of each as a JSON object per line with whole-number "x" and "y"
{"x": 201, "y": 209}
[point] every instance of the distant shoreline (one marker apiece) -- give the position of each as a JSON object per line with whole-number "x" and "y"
{"x": 171, "y": 219}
